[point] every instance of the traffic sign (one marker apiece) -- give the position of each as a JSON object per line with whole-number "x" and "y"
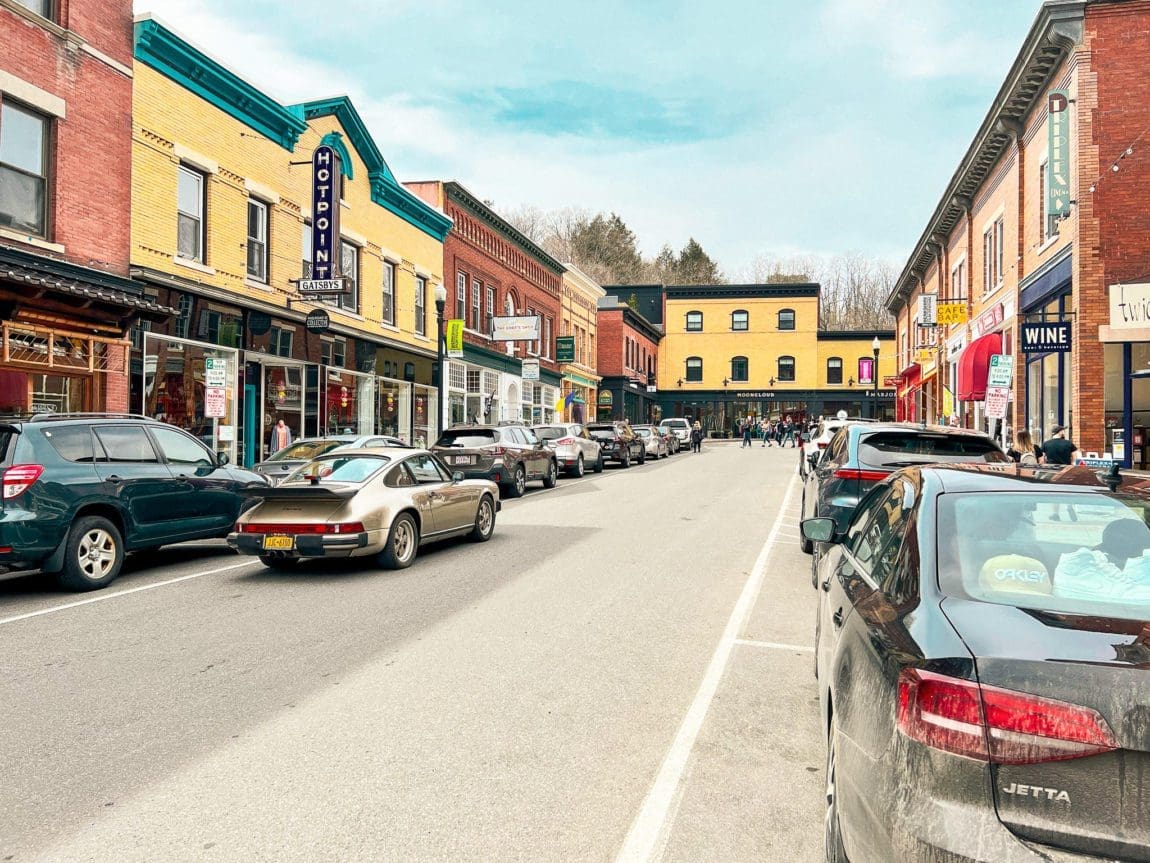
{"x": 215, "y": 402}
{"x": 215, "y": 372}
{"x": 996, "y": 400}
{"x": 1001, "y": 372}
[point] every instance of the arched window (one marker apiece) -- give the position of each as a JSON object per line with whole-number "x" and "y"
{"x": 740, "y": 321}
{"x": 740, "y": 369}
{"x": 786, "y": 369}
{"x": 835, "y": 370}
{"x": 694, "y": 322}
{"x": 695, "y": 369}
{"x": 786, "y": 319}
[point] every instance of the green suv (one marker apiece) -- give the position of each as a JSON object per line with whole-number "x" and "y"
{"x": 82, "y": 490}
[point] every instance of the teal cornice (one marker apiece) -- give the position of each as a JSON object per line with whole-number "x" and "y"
{"x": 335, "y": 141}
{"x": 158, "y": 47}
{"x": 385, "y": 189}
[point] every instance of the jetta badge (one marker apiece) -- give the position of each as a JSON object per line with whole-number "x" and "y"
{"x": 1036, "y": 791}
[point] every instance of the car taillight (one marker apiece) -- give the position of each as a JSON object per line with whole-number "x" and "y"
{"x": 18, "y": 479}
{"x": 996, "y": 725}
{"x": 495, "y": 450}
{"x": 864, "y": 475}
{"x": 822, "y": 444}
{"x": 295, "y": 529}
{"x": 566, "y": 441}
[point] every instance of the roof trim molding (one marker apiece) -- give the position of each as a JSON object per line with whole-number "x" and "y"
{"x": 161, "y": 49}
{"x": 770, "y": 290}
{"x": 335, "y": 141}
{"x": 1056, "y": 31}
{"x": 385, "y": 189}
{"x": 456, "y": 192}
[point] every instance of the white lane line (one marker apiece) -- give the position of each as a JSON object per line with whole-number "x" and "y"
{"x": 105, "y": 596}
{"x": 774, "y": 645}
{"x": 649, "y": 825}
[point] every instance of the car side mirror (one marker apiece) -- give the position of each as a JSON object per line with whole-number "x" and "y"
{"x": 222, "y": 459}
{"x": 819, "y": 530}
{"x": 457, "y": 476}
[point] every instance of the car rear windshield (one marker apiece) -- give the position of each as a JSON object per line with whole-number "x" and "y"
{"x": 305, "y": 449}
{"x": 901, "y": 448}
{"x": 467, "y": 439}
{"x": 643, "y": 432}
{"x": 1077, "y": 553}
{"x": 352, "y": 468}
{"x": 602, "y": 431}
{"x": 676, "y": 424}
{"x": 550, "y": 432}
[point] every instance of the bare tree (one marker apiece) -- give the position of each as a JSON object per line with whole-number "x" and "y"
{"x": 854, "y": 286}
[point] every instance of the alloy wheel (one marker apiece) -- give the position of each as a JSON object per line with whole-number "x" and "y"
{"x": 96, "y": 553}
{"x": 404, "y": 541}
{"x": 579, "y": 469}
{"x": 486, "y": 517}
{"x": 832, "y": 833}
{"x": 520, "y": 481}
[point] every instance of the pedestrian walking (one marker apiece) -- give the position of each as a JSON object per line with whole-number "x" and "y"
{"x": 789, "y": 431}
{"x": 1059, "y": 449}
{"x": 1024, "y": 451}
{"x": 696, "y": 437}
{"x": 746, "y": 424}
{"x": 765, "y": 429}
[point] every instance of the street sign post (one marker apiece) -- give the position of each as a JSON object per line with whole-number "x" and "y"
{"x": 1001, "y": 371}
{"x": 996, "y": 400}
{"x": 215, "y": 372}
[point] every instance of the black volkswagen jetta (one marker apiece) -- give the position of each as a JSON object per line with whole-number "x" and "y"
{"x": 983, "y": 657}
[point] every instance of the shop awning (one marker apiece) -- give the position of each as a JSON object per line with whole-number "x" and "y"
{"x": 973, "y": 366}
{"x": 908, "y": 379}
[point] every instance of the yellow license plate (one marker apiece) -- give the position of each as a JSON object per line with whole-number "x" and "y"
{"x": 279, "y": 543}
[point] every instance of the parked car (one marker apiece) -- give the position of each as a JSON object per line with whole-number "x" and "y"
{"x": 814, "y": 441}
{"x": 573, "y": 447}
{"x": 653, "y": 440}
{"x": 82, "y": 490}
{"x": 862, "y": 454}
{"x": 982, "y": 663}
{"x": 619, "y": 442}
{"x": 279, "y": 464}
{"x": 508, "y": 455}
{"x": 381, "y": 503}
{"x": 680, "y": 428}
{"x": 670, "y": 437}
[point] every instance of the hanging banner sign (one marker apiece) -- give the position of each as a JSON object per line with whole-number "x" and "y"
{"x": 951, "y": 313}
{"x": 515, "y": 328}
{"x": 923, "y": 356}
{"x": 531, "y": 370}
{"x": 866, "y": 370}
{"x": 454, "y": 338}
{"x": 1058, "y": 149}
{"x": 565, "y": 349}
{"x": 927, "y": 307}
{"x": 1044, "y": 338}
{"x": 325, "y": 251}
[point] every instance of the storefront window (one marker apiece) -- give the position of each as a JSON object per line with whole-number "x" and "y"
{"x": 425, "y": 411}
{"x": 349, "y": 402}
{"x": 193, "y": 387}
{"x": 24, "y": 393}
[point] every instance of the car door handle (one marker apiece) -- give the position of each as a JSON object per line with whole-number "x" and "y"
{"x": 837, "y": 618}
{"x": 115, "y": 479}
{"x": 826, "y": 585}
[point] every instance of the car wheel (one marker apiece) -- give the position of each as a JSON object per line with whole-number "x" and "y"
{"x": 279, "y": 564}
{"x": 484, "y": 520}
{"x": 579, "y": 469}
{"x": 598, "y": 468}
{"x": 643, "y": 456}
{"x": 93, "y": 555}
{"x": 518, "y": 483}
{"x": 626, "y": 461}
{"x": 832, "y": 828}
{"x": 552, "y": 476}
{"x": 402, "y": 543}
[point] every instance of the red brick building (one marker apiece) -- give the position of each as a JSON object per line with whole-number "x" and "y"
{"x": 1041, "y": 244}
{"x": 491, "y": 271}
{"x": 66, "y": 302}
{"x": 628, "y": 360}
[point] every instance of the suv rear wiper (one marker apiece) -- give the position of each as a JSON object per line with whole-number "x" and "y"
{"x": 908, "y": 463}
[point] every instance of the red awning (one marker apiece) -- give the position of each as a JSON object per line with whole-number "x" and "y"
{"x": 973, "y": 366}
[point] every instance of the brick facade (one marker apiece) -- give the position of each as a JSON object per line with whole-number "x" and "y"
{"x": 626, "y": 347}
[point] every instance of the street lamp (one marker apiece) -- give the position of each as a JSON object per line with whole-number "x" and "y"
{"x": 440, "y": 350}
{"x": 874, "y": 347}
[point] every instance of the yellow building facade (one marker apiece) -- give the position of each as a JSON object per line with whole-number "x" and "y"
{"x": 221, "y": 231}
{"x": 732, "y": 351}
{"x": 577, "y": 316}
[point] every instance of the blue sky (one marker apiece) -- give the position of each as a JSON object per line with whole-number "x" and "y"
{"x": 760, "y": 128}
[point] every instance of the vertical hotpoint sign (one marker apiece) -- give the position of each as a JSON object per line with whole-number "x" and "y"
{"x": 325, "y": 248}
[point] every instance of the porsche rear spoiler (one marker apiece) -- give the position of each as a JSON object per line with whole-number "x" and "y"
{"x": 342, "y": 491}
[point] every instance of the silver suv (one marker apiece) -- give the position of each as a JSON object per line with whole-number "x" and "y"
{"x": 680, "y": 428}
{"x": 574, "y": 448}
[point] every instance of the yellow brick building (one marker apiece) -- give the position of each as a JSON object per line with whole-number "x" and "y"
{"x": 577, "y": 317}
{"x": 222, "y": 192}
{"x": 732, "y": 351}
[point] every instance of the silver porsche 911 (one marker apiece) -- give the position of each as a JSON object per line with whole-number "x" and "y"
{"x": 382, "y": 502}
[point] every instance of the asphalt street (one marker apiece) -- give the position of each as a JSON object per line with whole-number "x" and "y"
{"x": 624, "y": 673}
